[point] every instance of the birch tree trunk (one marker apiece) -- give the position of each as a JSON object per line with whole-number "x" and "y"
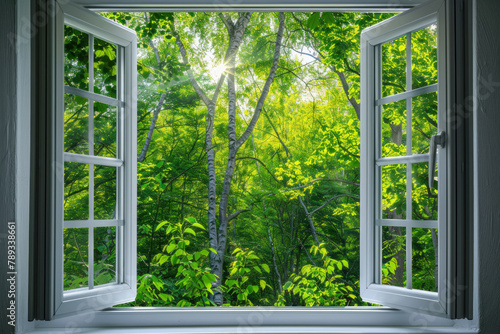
{"x": 234, "y": 144}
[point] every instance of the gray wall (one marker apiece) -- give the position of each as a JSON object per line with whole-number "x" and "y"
{"x": 7, "y": 143}
{"x": 487, "y": 126}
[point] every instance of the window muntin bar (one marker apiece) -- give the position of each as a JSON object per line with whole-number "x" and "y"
{"x": 409, "y": 94}
{"x": 93, "y": 96}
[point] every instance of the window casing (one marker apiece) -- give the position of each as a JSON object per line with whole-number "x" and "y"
{"x": 250, "y": 317}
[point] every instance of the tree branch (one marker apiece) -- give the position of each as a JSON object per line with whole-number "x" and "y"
{"x": 267, "y": 169}
{"x": 345, "y": 87}
{"x": 267, "y": 85}
{"x": 237, "y": 213}
{"x": 321, "y": 179}
{"x": 228, "y": 22}
{"x": 185, "y": 60}
{"x": 329, "y": 200}
{"x": 309, "y": 219}
{"x": 145, "y": 148}
{"x": 277, "y": 134}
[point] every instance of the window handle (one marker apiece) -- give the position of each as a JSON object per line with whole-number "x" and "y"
{"x": 436, "y": 140}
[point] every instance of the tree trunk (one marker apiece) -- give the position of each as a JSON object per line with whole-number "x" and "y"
{"x": 233, "y": 143}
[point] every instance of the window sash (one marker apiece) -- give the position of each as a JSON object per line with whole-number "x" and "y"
{"x": 371, "y": 162}
{"x": 124, "y": 289}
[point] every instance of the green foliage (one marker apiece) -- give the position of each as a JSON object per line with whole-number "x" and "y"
{"x": 306, "y": 142}
{"x": 245, "y": 280}
{"x": 193, "y": 275}
{"x": 318, "y": 285}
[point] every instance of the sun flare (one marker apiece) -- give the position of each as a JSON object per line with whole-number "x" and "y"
{"x": 216, "y": 71}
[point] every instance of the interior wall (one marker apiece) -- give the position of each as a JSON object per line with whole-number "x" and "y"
{"x": 7, "y": 145}
{"x": 487, "y": 147}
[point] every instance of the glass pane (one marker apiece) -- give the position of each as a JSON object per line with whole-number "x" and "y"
{"x": 76, "y": 58}
{"x": 394, "y": 192}
{"x": 104, "y": 192}
{"x": 104, "y": 68}
{"x": 104, "y": 130}
{"x": 76, "y": 191}
{"x": 424, "y": 57}
{"x": 76, "y": 246}
{"x": 104, "y": 255}
{"x": 76, "y": 124}
{"x": 394, "y": 256}
{"x": 425, "y": 259}
{"x": 394, "y": 129}
{"x": 424, "y": 121}
{"x": 394, "y": 67}
{"x": 424, "y": 200}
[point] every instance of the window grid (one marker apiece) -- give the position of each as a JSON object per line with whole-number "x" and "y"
{"x": 410, "y": 159}
{"x": 91, "y": 160}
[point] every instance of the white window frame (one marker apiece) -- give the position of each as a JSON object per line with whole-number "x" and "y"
{"x": 326, "y": 320}
{"x": 124, "y": 290}
{"x": 371, "y": 163}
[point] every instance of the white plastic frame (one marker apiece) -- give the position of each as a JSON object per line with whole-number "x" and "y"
{"x": 372, "y": 38}
{"x": 278, "y": 320}
{"x": 124, "y": 290}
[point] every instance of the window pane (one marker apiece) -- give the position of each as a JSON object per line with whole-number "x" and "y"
{"x": 76, "y": 191}
{"x": 104, "y": 130}
{"x": 104, "y": 255}
{"x": 424, "y": 57}
{"x": 425, "y": 259}
{"x": 394, "y": 192}
{"x": 104, "y": 192}
{"x": 394, "y": 129}
{"x": 76, "y": 124}
{"x": 394, "y": 67}
{"x": 76, "y": 58}
{"x": 424, "y": 121}
{"x": 76, "y": 243}
{"x": 394, "y": 256}
{"x": 104, "y": 68}
{"x": 424, "y": 200}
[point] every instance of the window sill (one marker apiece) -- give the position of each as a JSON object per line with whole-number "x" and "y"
{"x": 260, "y": 330}
{"x": 252, "y": 320}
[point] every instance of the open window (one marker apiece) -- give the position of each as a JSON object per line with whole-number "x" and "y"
{"x": 95, "y": 182}
{"x": 403, "y": 144}
{"x": 404, "y": 159}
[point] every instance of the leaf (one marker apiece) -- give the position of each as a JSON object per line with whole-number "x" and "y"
{"x": 160, "y": 225}
{"x": 163, "y": 259}
{"x": 313, "y": 20}
{"x": 190, "y": 231}
{"x": 287, "y": 285}
{"x": 199, "y": 226}
{"x": 204, "y": 252}
{"x": 328, "y": 18}
{"x": 171, "y": 247}
{"x": 262, "y": 284}
{"x": 266, "y": 268}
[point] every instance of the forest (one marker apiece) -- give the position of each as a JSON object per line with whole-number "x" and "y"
{"x": 248, "y": 158}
